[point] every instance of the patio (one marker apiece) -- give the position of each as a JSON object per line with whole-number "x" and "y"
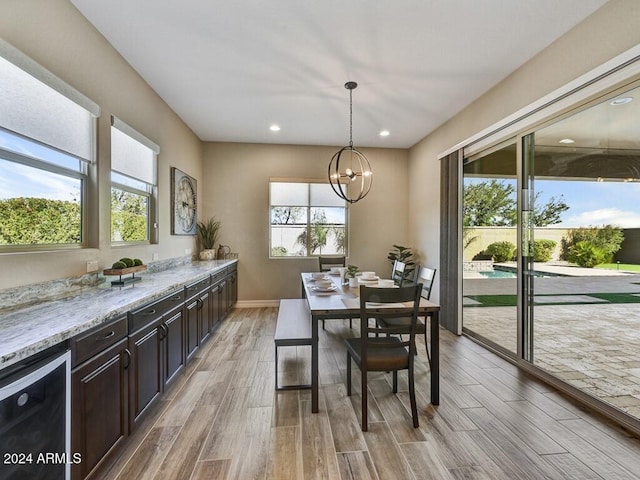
{"x": 586, "y": 328}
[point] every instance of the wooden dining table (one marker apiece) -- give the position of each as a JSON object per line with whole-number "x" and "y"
{"x": 343, "y": 302}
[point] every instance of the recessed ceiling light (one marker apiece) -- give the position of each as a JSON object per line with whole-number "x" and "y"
{"x": 567, "y": 140}
{"x": 620, "y": 101}
{"x": 274, "y": 128}
{"x": 384, "y": 133}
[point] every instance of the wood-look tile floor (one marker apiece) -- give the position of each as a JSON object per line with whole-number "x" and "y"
{"x": 223, "y": 419}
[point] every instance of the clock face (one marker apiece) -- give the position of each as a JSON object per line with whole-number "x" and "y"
{"x": 185, "y": 212}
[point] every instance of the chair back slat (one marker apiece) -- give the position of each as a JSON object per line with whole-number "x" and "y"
{"x": 426, "y": 277}
{"x": 325, "y": 263}
{"x": 402, "y": 302}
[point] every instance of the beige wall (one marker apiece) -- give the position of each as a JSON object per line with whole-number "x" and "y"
{"x": 610, "y": 31}
{"x": 236, "y": 191}
{"x": 54, "y": 34}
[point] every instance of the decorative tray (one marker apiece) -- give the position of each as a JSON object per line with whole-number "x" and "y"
{"x": 124, "y": 271}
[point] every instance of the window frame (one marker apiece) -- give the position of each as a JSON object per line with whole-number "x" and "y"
{"x": 87, "y": 168}
{"x": 150, "y": 193}
{"x": 308, "y": 207}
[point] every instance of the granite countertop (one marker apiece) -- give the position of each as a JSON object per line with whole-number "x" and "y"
{"x": 29, "y": 330}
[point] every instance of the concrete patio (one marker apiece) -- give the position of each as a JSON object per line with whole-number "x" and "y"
{"x": 591, "y": 343}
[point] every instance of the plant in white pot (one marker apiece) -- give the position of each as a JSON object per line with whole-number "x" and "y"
{"x": 207, "y": 236}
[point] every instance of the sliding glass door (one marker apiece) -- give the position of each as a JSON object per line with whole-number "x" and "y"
{"x": 583, "y": 176}
{"x": 489, "y": 236}
{"x": 551, "y": 249}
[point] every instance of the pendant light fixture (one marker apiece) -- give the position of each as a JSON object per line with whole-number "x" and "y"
{"x": 349, "y": 170}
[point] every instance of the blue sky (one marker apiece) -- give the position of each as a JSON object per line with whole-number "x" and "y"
{"x": 595, "y": 203}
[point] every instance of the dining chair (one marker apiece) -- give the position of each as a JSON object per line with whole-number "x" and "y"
{"x": 386, "y": 353}
{"x": 325, "y": 264}
{"x": 397, "y": 272}
{"x": 425, "y": 277}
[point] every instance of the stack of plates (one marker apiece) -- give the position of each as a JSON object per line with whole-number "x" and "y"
{"x": 369, "y": 281}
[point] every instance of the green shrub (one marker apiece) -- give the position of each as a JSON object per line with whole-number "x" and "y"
{"x": 543, "y": 250}
{"x": 586, "y": 254}
{"x": 501, "y": 251}
{"x": 607, "y": 238}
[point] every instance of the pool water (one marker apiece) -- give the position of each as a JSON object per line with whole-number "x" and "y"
{"x": 498, "y": 274}
{"x": 512, "y": 274}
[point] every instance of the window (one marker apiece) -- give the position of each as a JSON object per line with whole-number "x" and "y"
{"x": 306, "y": 219}
{"x": 46, "y": 148}
{"x": 133, "y": 185}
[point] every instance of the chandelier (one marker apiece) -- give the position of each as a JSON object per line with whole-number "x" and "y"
{"x": 349, "y": 170}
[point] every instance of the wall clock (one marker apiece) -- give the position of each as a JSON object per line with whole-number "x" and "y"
{"x": 184, "y": 205}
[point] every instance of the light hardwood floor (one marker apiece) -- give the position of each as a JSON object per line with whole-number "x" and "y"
{"x": 223, "y": 419}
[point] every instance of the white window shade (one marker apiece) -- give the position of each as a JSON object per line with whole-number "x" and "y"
{"x": 130, "y": 156}
{"x": 289, "y": 194}
{"x": 322, "y": 195}
{"x": 33, "y": 109}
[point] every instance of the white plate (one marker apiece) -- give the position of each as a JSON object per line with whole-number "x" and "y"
{"x": 320, "y": 289}
{"x": 316, "y": 279}
{"x": 369, "y": 280}
{"x": 336, "y": 274}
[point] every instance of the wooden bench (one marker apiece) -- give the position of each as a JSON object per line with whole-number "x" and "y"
{"x": 293, "y": 328}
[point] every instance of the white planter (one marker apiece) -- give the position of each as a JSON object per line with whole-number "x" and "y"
{"x": 208, "y": 254}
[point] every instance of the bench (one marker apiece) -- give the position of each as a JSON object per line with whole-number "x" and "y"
{"x": 293, "y": 328}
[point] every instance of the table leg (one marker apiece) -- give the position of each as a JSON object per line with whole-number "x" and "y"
{"x": 435, "y": 359}
{"x": 314, "y": 365}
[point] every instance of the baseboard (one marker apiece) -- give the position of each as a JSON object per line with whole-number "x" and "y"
{"x": 257, "y": 303}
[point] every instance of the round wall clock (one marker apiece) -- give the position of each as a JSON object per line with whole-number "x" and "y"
{"x": 184, "y": 203}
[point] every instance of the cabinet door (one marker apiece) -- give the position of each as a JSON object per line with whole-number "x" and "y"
{"x": 223, "y": 299}
{"x": 99, "y": 406}
{"x": 233, "y": 289}
{"x": 205, "y": 316}
{"x": 192, "y": 330}
{"x": 173, "y": 346}
{"x": 145, "y": 379}
{"x": 215, "y": 306}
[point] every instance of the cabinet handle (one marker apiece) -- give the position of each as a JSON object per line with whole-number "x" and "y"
{"x": 150, "y": 312}
{"x": 128, "y": 354}
{"x": 176, "y": 298}
{"x": 161, "y": 332}
{"x": 108, "y": 335}
{"x": 165, "y": 329}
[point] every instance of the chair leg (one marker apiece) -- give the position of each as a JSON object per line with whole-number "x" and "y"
{"x": 351, "y": 323}
{"x": 364, "y": 389}
{"x": 276, "y": 367}
{"x": 412, "y": 398}
{"x": 348, "y": 374}
{"x": 426, "y": 341}
{"x": 323, "y": 323}
{"x": 395, "y": 381}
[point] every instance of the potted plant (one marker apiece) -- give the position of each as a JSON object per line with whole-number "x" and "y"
{"x": 352, "y": 271}
{"x": 207, "y": 235}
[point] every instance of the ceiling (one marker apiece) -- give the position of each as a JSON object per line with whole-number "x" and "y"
{"x": 230, "y": 69}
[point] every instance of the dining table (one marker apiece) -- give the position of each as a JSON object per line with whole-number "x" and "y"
{"x": 340, "y": 301}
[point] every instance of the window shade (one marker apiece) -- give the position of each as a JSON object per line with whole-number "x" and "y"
{"x": 133, "y": 157}
{"x": 36, "y": 110}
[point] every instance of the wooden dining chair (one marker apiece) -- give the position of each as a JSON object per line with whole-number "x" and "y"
{"x": 397, "y": 272}
{"x": 389, "y": 352}
{"x": 425, "y": 277}
{"x": 325, "y": 264}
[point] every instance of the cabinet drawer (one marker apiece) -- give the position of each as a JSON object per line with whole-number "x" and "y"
{"x": 154, "y": 310}
{"x": 218, "y": 276}
{"x": 195, "y": 288}
{"x": 88, "y": 344}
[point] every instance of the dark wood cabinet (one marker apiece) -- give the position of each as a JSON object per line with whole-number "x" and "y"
{"x": 122, "y": 368}
{"x": 146, "y": 381}
{"x": 197, "y": 312}
{"x": 99, "y": 403}
{"x": 157, "y": 352}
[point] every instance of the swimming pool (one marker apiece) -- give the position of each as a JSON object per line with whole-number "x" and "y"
{"x": 506, "y": 272}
